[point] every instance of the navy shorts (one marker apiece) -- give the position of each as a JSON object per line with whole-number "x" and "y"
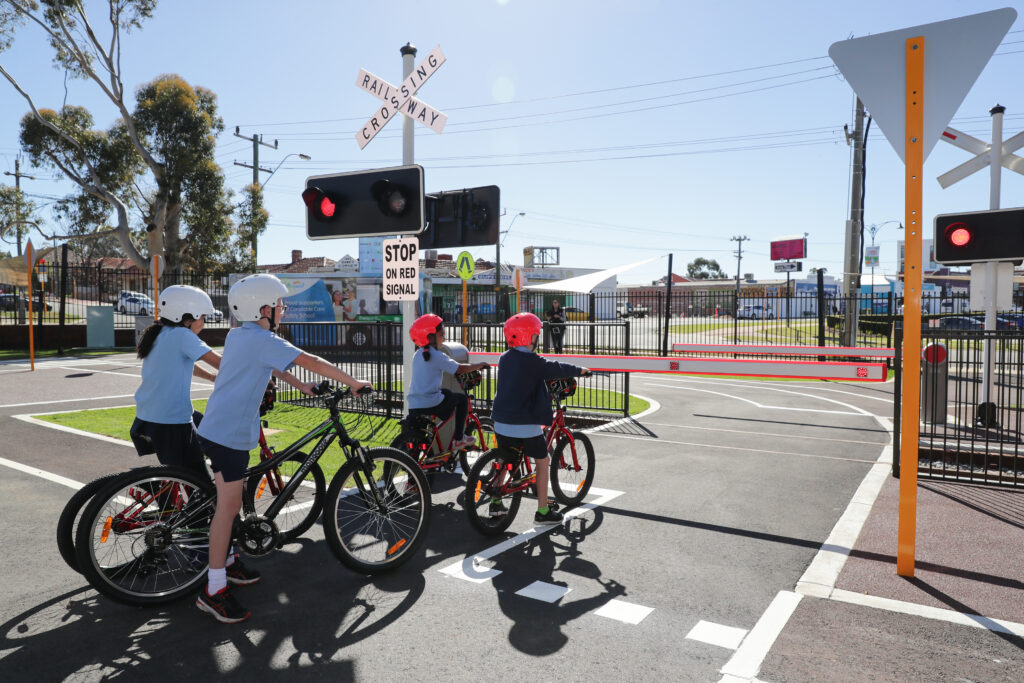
{"x": 175, "y": 445}
{"x": 230, "y": 462}
{"x": 535, "y": 446}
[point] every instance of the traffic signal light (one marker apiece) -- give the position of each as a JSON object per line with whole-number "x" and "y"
{"x": 463, "y": 218}
{"x": 383, "y": 201}
{"x": 979, "y": 236}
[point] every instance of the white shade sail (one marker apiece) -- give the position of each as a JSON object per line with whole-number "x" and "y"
{"x": 587, "y": 283}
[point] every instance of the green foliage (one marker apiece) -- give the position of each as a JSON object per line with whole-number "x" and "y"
{"x": 14, "y": 207}
{"x": 705, "y": 269}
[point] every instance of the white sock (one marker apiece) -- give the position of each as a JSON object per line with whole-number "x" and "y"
{"x": 216, "y": 580}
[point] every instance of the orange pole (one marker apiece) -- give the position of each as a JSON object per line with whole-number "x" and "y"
{"x": 910, "y": 421}
{"x": 465, "y": 316}
{"x": 156, "y": 288}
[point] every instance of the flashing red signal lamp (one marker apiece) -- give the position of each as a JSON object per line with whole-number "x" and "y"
{"x": 959, "y": 235}
{"x": 320, "y": 203}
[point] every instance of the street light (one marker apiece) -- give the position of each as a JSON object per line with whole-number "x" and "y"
{"x": 304, "y": 157}
{"x": 873, "y": 229}
{"x": 497, "y": 272}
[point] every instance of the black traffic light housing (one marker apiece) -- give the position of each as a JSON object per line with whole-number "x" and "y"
{"x": 379, "y": 202}
{"x": 463, "y": 218}
{"x": 979, "y": 236}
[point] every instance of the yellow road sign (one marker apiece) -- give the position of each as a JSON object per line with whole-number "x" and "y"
{"x": 465, "y": 265}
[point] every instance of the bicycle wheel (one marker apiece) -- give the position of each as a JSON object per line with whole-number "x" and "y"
{"x": 67, "y": 523}
{"x": 572, "y": 468}
{"x": 480, "y": 500}
{"x": 483, "y": 429}
{"x": 302, "y": 510}
{"x": 375, "y": 524}
{"x": 144, "y": 539}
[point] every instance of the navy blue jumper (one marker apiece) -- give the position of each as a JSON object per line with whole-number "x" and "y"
{"x": 522, "y": 397}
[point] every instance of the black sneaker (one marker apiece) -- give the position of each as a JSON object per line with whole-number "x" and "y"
{"x": 240, "y": 575}
{"x": 222, "y": 605}
{"x": 497, "y": 508}
{"x": 552, "y": 516}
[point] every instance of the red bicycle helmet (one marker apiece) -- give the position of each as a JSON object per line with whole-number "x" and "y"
{"x": 423, "y": 327}
{"x": 520, "y": 328}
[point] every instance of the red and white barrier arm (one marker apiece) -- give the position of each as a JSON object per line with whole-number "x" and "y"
{"x": 832, "y": 351}
{"x": 799, "y": 369}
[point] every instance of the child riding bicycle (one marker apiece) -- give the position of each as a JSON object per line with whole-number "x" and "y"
{"x": 230, "y": 428}
{"x": 522, "y": 404}
{"x": 425, "y": 395}
{"x": 170, "y": 350}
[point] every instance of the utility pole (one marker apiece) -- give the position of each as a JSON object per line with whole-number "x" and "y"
{"x": 739, "y": 239}
{"x": 18, "y": 175}
{"x": 854, "y": 228}
{"x": 257, "y": 140}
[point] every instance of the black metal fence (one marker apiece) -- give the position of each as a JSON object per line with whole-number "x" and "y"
{"x": 373, "y": 351}
{"x": 968, "y": 432}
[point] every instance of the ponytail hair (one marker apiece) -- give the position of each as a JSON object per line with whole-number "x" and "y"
{"x": 426, "y": 352}
{"x": 149, "y": 335}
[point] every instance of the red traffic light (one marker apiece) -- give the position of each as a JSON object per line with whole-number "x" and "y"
{"x": 959, "y": 234}
{"x": 319, "y": 202}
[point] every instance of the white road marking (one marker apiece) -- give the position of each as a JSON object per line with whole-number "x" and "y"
{"x": 623, "y": 611}
{"x": 720, "y": 635}
{"x": 65, "y": 400}
{"x": 35, "y": 471}
{"x": 746, "y": 661}
{"x": 72, "y": 430}
{"x": 757, "y": 434}
{"x": 477, "y": 568}
{"x": 763, "y": 406}
{"x": 545, "y": 592}
{"x": 928, "y": 612}
{"x": 736, "y": 448}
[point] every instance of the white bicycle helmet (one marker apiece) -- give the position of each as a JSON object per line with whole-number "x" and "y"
{"x": 247, "y": 296}
{"x": 178, "y": 300}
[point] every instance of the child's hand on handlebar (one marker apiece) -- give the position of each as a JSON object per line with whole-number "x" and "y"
{"x": 358, "y": 386}
{"x": 586, "y": 372}
{"x": 308, "y": 388}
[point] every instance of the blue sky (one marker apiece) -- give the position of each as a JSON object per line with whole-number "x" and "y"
{"x": 623, "y": 130}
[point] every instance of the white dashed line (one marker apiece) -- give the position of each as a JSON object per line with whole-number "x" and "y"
{"x": 545, "y": 592}
{"x": 720, "y": 635}
{"x": 623, "y": 611}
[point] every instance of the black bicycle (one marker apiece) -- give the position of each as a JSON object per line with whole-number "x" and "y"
{"x": 143, "y": 539}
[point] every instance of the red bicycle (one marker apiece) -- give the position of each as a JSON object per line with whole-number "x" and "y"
{"x": 429, "y": 439}
{"x": 493, "y": 498}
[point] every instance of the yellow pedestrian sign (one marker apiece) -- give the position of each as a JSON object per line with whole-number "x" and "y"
{"x": 465, "y": 265}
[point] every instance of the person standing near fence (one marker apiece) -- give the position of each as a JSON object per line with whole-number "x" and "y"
{"x": 556, "y": 323}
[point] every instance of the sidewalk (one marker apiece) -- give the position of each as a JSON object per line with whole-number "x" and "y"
{"x": 961, "y": 617}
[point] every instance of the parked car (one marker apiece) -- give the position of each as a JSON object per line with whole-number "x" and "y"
{"x": 961, "y": 322}
{"x": 754, "y": 312}
{"x": 9, "y": 302}
{"x": 630, "y": 310}
{"x": 136, "y": 305}
{"x": 123, "y": 297}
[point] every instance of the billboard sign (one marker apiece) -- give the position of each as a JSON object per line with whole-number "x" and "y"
{"x": 786, "y": 248}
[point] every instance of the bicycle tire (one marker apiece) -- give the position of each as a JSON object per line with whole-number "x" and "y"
{"x": 570, "y": 484}
{"x": 483, "y": 429}
{"x": 304, "y": 507}
{"x": 477, "y": 499}
{"x": 364, "y": 538}
{"x": 67, "y": 523}
{"x": 144, "y": 539}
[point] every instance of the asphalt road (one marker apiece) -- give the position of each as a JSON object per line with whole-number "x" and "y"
{"x": 702, "y": 512}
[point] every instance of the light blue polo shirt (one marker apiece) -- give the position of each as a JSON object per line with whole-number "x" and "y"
{"x": 251, "y": 354}
{"x": 519, "y": 431}
{"x": 425, "y": 388}
{"x": 164, "y": 395}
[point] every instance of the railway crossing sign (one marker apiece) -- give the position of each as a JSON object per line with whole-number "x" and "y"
{"x": 982, "y": 152}
{"x": 400, "y": 99}
{"x": 401, "y": 269}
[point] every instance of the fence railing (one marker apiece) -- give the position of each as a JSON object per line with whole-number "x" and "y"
{"x": 960, "y": 438}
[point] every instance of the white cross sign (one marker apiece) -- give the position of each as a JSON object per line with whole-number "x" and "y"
{"x": 982, "y": 157}
{"x": 398, "y": 98}
{"x": 414, "y": 107}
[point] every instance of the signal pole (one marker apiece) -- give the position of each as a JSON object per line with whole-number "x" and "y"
{"x": 740, "y": 239}
{"x": 257, "y": 140}
{"x": 408, "y": 307}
